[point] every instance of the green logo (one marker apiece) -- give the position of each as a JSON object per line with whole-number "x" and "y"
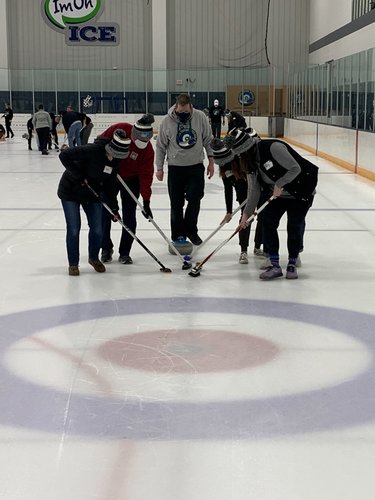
{"x": 61, "y": 13}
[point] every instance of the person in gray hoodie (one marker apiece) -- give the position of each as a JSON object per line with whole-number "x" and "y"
{"x": 42, "y": 125}
{"x": 183, "y": 136}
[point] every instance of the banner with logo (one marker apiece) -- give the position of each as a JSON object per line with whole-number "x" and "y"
{"x": 77, "y": 20}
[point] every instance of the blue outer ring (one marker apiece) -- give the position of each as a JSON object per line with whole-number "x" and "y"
{"x": 28, "y": 405}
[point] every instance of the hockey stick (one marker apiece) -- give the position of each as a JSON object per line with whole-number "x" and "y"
{"x": 197, "y": 268}
{"x": 186, "y": 265}
{"x": 217, "y": 229}
{"x": 163, "y": 268}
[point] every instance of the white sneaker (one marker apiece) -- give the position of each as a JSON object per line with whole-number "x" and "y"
{"x": 298, "y": 262}
{"x": 243, "y": 258}
{"x": 258, "y": 252}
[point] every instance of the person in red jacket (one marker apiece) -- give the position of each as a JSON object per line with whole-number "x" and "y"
{"x": 137, "y": 171}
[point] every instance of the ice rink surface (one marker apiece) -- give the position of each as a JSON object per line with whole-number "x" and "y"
{"x": 138, "y": 385}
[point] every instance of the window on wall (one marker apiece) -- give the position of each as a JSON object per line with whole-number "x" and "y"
{"x": 136, "y": 102}
{"x": 22, "y": 102}
{"x": 158, "y": 103}
{"x": 361, "y": 7}
{"x": 48, "y": 99}
{"x": 65, "y": 99}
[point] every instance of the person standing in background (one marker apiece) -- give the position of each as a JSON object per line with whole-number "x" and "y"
{"x": 216, "y": 116}
{"x": 42, "y": 124}
{"x": 30, "y": 130}
{"x": 8, "y": 115}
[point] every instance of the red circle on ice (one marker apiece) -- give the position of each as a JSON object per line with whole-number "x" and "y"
{"x": 188, "y": 350}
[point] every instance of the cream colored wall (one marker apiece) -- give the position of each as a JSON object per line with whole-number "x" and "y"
{"x": 328, "y": 16}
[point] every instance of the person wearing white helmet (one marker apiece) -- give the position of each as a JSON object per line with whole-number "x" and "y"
{"x": 216, "y": 117}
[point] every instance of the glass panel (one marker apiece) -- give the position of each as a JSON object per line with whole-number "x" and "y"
{"x": 65, "y": 99}
{"x": 22, "y": 101}
{"x": 347, "y": 91}
{"x": 44, "y": 80}
{"x": 91, "y": 80}
{"x": 370, "y": 89}
{"x": 341, "y": 92}
{"x": 136, "y": 102}
{"x": 112, "y": 81}
{"x": 48, "y": 99}
{"x": 158, "y": 103}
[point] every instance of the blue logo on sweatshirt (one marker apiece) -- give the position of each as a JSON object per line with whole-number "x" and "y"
{"x": 186, "y": 137}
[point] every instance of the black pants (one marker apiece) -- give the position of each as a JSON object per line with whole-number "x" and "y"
{"x": 30, "y": 132}
{"x": 240, "y": 187}
{"x": 296, "y": 211}
{"x": 8, "y": 124}
{"x": 43, "y": 134}
{"x": 128, "y": 208}
{"x": 216, "y": 129}
{"x": 185, "y": 183}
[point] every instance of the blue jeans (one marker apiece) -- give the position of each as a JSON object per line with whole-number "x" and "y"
{"x": 74, "y": 134}
{"x": 72, "y": 214}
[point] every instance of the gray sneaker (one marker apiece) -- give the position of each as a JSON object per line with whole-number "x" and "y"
{"x": 258, "y": 252}
{"x": 265, "y": 263}
{"x": 271, "y": 273}
{"x": 107, "y": 255}
{"x": 291, "y": 273}
{"x": 125, "y": 259}
{"x": 243, "y": 258}
{"x": 298, "y": 262}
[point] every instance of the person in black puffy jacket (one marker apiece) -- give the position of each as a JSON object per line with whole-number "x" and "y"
{"x": 94, "y": 165}
{"x": 276, "y": 169}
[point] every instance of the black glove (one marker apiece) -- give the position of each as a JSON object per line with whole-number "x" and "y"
{"x": 116, "y": 216}
{"x": 146, "y": 212}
